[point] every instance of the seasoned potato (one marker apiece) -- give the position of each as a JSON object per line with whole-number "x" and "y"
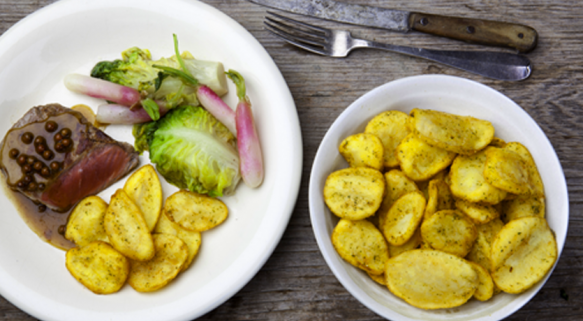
{"x": 361, "y": 244}
{"x": 144, "y": 188}
{"x": 460, "y": 134}
{"x": 535, "y": 181}
{"x": 391, "y": 128}
{"x": 430, "y": 279}
{"x": 398, "y": 184}
{"x": 522, "y": 254}
{"x": 380, "y": 279}
{"x": 413, "y": 243}
{"x": 439, "y": 198}
{"x": 523, "y": 206}
{"x": 478, "y": 213}
{"x": 126, "y": 228}
{"x": 449, "y": 231}
{"x": 485, "y": 288}
{"x": 152, "y": 275}
{"x": 481, "y": 251}
{"x": 419, "y": 160}
{"x": 401, "y": 221}
{"x": 98, "y": 266}
{"x": 195, "y": 212}
{"x": 497, "y": 142}
{"x": 85, "y": 223}
{"x": 363, "y": 150}
{"x": 192, "y": 239}
{"x": 506, "y": 170}
{"x": 354, "y": 193}
{"x": 467, "y": 180}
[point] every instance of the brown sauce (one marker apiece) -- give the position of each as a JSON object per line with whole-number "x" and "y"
{"x": 48, "y": 225}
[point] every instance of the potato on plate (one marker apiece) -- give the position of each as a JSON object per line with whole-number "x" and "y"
{"x": 192, "y": 239}
{"x": 413, "y": 243}
{"x": 460, "y": 134}
{"x": 399, "y": 224}
{"x": 98, "y": 266}
{"x": 467, "y": 180}
{"x": 144, "y": 188}
{"x": 397, "y": 185}
{"x": 478, "y": 213}
{"x": 523, "y": 206}
{"x": 380, "y": 279}
{"x": 481, "y": 252}
{"x": 430, "y": 279}
{"x": 85, "y": 223}
{"x": 419, "y": 160}
{"x": 522, "y": 254}
{"x": 361, "y": 244}
{"x": 535, "y": 181}
{"x": 195, "y": 212}
{"x": 439, "y": 198}
{"x": 391, "y": 127}
{"x": 449, "y": 231}
{"x": 362, "y": 150}
{"x": 354, "y": 193}
{"x": 126, "y": 228}
{"x": 506, "y": 170}
{"x": 485, "y": 288}
{"x": 152, "y": 275}
{"x": 497, "y": 142}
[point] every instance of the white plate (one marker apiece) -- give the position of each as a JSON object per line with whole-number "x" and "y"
{"x": 71, "y": 36}
{"x": 454, "y": 95}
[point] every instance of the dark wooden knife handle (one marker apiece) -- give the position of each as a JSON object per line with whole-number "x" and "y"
{"x": 486, "y": 32}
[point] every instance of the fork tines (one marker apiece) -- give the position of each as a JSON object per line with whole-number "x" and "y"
{"x": 306, "y": 36}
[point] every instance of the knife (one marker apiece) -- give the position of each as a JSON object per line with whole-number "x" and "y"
{"x": 485, "y": 32}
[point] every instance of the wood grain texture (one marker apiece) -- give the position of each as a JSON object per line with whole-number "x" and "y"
{"x": 296, "y": 283}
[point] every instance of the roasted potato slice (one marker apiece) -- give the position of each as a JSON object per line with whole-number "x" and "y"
{"x": 354, "y": 193}
{"x": 152, "y": 275}
{"x": 439, "y": 198}
{"x": 85, "y": 223}
{"x": 460, "y": 134}
{"x": 449, "y": 231}
{"x": 523, "y": 206}
{"x": 144, "y": 188}
{"x": 419, "y": 160}
{"x": 536, "y": 183}
{"x": 506, "y": 170}
{"x": 467, "y": 180}
{"x": 413, "y": 243}
{"x": 380, "y": 279}
{"x": 192, "y": 239}
{"x": 98, "y": 266}
{"x": 363, "y": 150}
{"x": 401, "y": 221}
{"x": 481, "y": 251}
{"x": 397, "y": 185}
{"x": 126, "y": 228}
{"x": 361, "y": 244}
{"x": 391, "y": 127}
{"x": 522, "y": 254}
{"x": 430, "y": 279}
{"x": 497, "y": 142}
{"x": 485, "y": 288}
{"x": 195, "y": 212}
{"x": 478, "y": 213}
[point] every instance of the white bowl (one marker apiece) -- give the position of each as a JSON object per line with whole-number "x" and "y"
{"x": 450, "y": 94}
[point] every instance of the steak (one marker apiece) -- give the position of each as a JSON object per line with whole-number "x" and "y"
{"x": 56, "y": 158}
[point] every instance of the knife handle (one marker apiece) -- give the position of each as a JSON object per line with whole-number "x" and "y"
{"x": 486, "y": 32}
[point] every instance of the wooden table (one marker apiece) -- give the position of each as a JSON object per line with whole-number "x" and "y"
{"x": 296, "y": 283}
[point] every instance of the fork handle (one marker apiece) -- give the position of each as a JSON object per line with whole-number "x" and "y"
{"x": 487, "y": 32}
{"x": 497, "y": 65}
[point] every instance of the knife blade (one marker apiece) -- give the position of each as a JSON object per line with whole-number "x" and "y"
{"x": 479, "y": 31}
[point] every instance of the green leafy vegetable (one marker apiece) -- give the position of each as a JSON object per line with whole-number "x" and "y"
{"x": 192, "y": 150}
{"x": 152, "y": 108}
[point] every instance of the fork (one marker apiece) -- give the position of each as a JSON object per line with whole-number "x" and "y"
{"x": 339, "y": 43}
